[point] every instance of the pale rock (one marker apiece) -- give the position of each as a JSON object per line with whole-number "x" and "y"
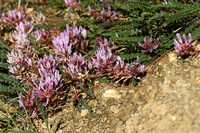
{"x": 29, "y": 10}
{"x": 120, "y": 129}
{"x": 172, "y": 57}
{"x": 160, "y": 110}
{"x": 112, "y": 94}
{"x": 198, "y": 47}
{"x": 114, "y": 109}
{"x": 84, "y": 112}
{"x": 130, "y": 124}
{"x": 44, "y": 125}
{"x": 60, "y": 131}
{"x": 198, "y": 80}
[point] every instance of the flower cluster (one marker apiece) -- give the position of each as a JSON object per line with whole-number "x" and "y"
{"x": 103, "y": 15}
{"x": 78, "y": 66}
{"x": 148, "y": 45}
{"x": 72, "y": 3}
{"x": 20, "y": 35}
{"x": 108, "y": 63}
{"x": 104, "y": 2}
{"x": 13, "y": 17}
{"x": 45, "y": 80}
{"x": 70, "y": 40}
{"x": 28, "y": 101}
{"x": 125, "y": 70}
{"x": 108, "y": 16}
{"x": 15, "y": 59}
{"x": 184, "y": 49}
{"x": 26, "y": 26}
{"x": 39, "y": 18}
{"x": 104, "y": 61}
{"x": 49, "y": 81}
{"x": 165, "y": 9}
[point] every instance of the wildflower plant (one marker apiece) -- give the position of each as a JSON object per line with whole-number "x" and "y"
{"x": 162, "y": 10}
{"x": 57, "y": 65}
{"x": 184, "y": 48}
{"x": 104, "y": 2}
{"x": 148, "y": 45}
{"x": 106, "y": 62}
{"x": 13, "y": 16}
{"x": 107, "y": 17}
{"x": 69, "y": 41}
{"x": 72, "y": 3}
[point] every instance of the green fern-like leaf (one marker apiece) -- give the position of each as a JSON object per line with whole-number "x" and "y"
{"x": 87, "y": 106}
{"x": 196, "y": 34}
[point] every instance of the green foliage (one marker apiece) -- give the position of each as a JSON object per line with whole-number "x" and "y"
{"x": 6, "y": 122}
{"x": 44, "y": 116}
{"x": 137, "y": 19}
{"x": 145, "y": 19}
{"x": 89, "y": 92}
{"x": 104, "y": 80}
{"x": 82, "y": 101}
{"x": 134, "y": 82}
{"x": 87, "y": 106}
{"x": 9, "y": 87}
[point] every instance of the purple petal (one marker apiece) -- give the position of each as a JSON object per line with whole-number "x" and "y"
{"x": 89, "y": 9}
{"x": 155, "y": 46}
{"x": 185, "y": 39}
{"x": 140, "y": 44}
{"x": 89, "y": 65}
{"x": 20, "y": 100}
{"x": 177, "y": 45}
{"x": 137, "y": 60}
{"x": 150, "y": 40}
{"x": 190, "y": 37}
{"x": 145, "y": 40}
{"x": 83, "y": 32}
{"x": 179, "y": 38}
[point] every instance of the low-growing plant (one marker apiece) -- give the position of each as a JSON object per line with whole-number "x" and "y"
{"x": 57, "y": 62}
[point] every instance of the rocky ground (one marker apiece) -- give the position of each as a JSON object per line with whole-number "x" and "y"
{"x": 166, "y": 101}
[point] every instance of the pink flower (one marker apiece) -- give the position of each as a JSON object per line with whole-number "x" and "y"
{"x": 13, "y": 16}
{"x": 72, "y": 3}
{"x": 78, "y": 66}
{"x": 108, "y": 16}
{"x": 185, "y": 48}
{"x": 148, "y": 45}
{"x": 27, "y": 26}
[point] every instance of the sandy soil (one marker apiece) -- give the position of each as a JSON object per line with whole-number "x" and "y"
{"x": 166, "y": 101}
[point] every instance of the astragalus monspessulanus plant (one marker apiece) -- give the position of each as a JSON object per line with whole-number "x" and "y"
{"x": 45, "y": 72}
{"x": 13, "y": 17}
{"x": 58, "y": 72}
{"x": 38, "y": 73}
{"x": 107, "y": 17}
{"x": 68, "y": 46}
{"x": 184, "y": 49}
{"x": 107, "y": 63}
{"x": 147, "y": 46}
{"x": 49, "y": 76}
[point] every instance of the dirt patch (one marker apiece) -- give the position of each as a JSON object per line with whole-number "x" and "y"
{"x": 166, "y": 101}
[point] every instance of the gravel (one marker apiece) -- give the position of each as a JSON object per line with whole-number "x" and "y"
{"x": 166, "y": 101}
